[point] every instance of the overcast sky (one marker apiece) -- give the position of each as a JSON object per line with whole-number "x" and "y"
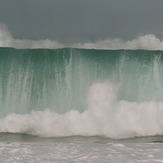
{"x": 82, "y": 20}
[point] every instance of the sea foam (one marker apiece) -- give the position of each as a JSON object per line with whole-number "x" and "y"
{"x": 105, "y": 116}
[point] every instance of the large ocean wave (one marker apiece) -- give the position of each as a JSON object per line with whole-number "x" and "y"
{"x": 70, "y": 91}
{"x": 67, "y": 92}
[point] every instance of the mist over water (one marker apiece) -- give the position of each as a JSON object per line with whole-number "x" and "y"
{"x": 148, "y": 42}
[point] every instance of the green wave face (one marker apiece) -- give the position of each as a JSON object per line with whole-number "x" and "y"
{"x": 36, "y": 79}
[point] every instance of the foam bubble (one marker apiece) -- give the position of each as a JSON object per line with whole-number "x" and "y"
{"x": 105, "y": 116}
{"x": 148, "y": 42}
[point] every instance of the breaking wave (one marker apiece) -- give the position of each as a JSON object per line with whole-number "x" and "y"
{"x": 105, "y": 116}
{"x": 52, "y": 92}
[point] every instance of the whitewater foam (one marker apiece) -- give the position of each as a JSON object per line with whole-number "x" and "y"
{"x": 105, "y": 116}
{"x": 80, "y": 152}
{"x": 148, "y": 42}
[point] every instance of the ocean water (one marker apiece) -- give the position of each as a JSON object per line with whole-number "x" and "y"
{"x": 73, "y": 104}
{"x": 67, "y": 92}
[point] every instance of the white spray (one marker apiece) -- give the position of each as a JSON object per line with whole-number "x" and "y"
{"x": 105, "y": 116}
{"x": 148, "y": 42}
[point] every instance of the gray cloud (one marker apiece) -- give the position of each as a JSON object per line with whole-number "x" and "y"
{"x": 82, "y": 20}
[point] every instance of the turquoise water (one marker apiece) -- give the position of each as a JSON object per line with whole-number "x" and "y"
{"x": 59, "y": 79}
{"x": 69, "y": 92}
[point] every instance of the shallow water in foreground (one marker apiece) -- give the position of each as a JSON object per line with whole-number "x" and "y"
{"x": 25, "y": 148}
{"x": 48, "y": 152}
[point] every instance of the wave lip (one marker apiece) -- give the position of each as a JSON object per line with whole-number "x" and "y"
{"x": 147, "y": 42}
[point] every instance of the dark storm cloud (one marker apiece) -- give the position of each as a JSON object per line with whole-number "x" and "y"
{"x": 82, "y": 20}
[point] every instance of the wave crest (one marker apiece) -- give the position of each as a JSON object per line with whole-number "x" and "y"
{"x": 148, "y": 42}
